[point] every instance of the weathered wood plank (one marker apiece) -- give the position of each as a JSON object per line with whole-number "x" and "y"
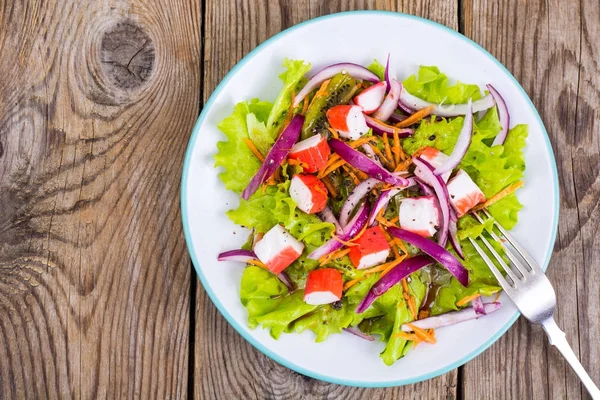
{"x": 97, "y": 100}
{"x": 552, "y": 49}
{"x": 226, "y": 366}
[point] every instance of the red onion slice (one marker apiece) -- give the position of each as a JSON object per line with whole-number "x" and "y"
{"x": 450, "y": 110}
{"x": 382, "y": 203}
{"x": 385, "y": 129}
{"x": 349, "y": 231}
{"x": 387, "y": 72}
{"x": 396, "y": 274}
{"x": 451, "y": 318}
{"x": 357, "y": 332}
{"x": 356, "y": 71}
{"x": 453, "y": 234}
{"x": 285, "y": 279}
{"x": 363, "y": 163}
{"x": 327, "y": 216}
{"x": 397, "y": 117}
{"x": 387, "y": 108}
{"x": 427, "y": 191}
{"x": 240, "y": 255}
{"x": 404, "y": 107}
{"x": 276, "y": 155}
{"x": 462, "y": 144}
{"x": 436, "y": 251}
{"x": 478, "y": 306}
{"x": 503, "y": 115}
{"x": 424, "y": 171}
{"x": 359, "y": 192}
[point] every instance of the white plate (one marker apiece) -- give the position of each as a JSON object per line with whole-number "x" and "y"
{"x": 357, "y": 37}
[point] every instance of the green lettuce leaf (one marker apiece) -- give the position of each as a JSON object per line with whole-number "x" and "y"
{"x": 377, "y": 68}
{"x": 287, "y": 311}
{"x": 260, "y": 292}
{"x": 432, "y": 85}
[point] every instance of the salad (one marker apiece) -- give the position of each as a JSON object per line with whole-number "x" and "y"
{"x": 359, "y": 190}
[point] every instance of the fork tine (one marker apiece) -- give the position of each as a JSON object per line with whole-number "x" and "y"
{"x": 522, "y": 268}
{"x": 501, "y": 280}
{"x": 501, "y": 261}
{"x": 533, "y": 266}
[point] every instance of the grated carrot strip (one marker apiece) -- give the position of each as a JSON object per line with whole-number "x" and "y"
{"x": 417, "y": 116}
{"x": 497, "y": 296}
{"x": 500, "y": 195}
{"x": 333, "y": 256}
{"x": 391, "y": 266}
{"x": 333, "y": 132}
{"x": 391, "y": 127}
{"x": 342, "y": 241}
{"x": 305, "y": 106}
{"x": 332, "y": 168}
{"x": 403, "y": 166}
{"x": 352, "y": 175}
{"x": 359, "y": 234}
{"x": 254, "y": 150}
{"x": 396, "y": 149}
{"x": 467, "y": 299}
{"x": 426, "y": 336}
{"x": 388, "y": 150}
{"x": 362, "y": 140}
{"x": 391, "y": 241}
{"x": 353, "y": 282}
{"x": 329, "y": 186}
{"x": 321, "y": 92}
{"x": 394, "y": 220}
{"x": 381, "y": 267}
{"x": 407, "y": 336}
{"x": 381, "y": 156}
{"x": 423, "y": 314}
{"x": 257, "y": 264}
{"x": 292, "y": 161}
{"x": 401, "y": 245}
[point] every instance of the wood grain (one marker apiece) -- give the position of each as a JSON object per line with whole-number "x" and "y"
{"x": 226, "y": 366}
{"x": 97, "y": 100}
{"x": 552, "y": 49}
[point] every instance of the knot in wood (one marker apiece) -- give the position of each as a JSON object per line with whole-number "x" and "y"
{"x": 127, "y": 55}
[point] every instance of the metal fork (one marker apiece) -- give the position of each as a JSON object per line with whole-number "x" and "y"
{"x": 528, "y": 287}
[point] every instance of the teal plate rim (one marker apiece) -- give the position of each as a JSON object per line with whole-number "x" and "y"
{"x": 247, "y": 335}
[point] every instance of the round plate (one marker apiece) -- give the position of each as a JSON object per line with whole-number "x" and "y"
{"x": 357, "y": 37}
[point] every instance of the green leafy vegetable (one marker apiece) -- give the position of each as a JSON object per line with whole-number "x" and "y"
{"x": 432, "y": 85}
{"x": 378, "y": 69}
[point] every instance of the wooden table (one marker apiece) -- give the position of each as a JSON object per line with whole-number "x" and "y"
{"x": 98, "y": 297}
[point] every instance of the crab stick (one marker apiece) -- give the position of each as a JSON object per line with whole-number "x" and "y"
{"x": 278, "y": 249}
{"x": 464, "y": 193}
{"x": 419, "y": 215}
{"x": 312, "y": 153}
{"x": 349, "y": 121}
{"x": 309, "y": 193}
{"x": 323, "y": 286}
{"x": 371, "y": 98}
{"x": 371, "y": 249}
{"x": 436, "y": 158}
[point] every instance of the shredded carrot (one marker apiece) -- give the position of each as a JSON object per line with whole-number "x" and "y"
{"x": 263, "y": 188}
{"x": 332, "y": 160}
{"x": 362, "y": 140}
{"x": 253, "y": 149}
{"x": 293, "y": 161}
{"x": 381, "y": 267}
{"x": 333, "y": 256}
{"x": 257, "y": 263}
{"x": 333, "y": 132}
{"x": 353, "y": 282}
{"x": 396, "y": 149}
{"x": 467, "y": 299}
{"x": 359, "y": 234}
{"x": 497, "y": 296}
{"x": 383, "y": 221}
{"x": 423, "y": 314}
{"x": 410, "y": 300}
{"x": 352, "y": 175}
{"x": 401, "y": 245}
{"x": 345, "y": 243}
{"x": 388, "y": 269}
{"x": 331, "y": 168}
{"x": 417, "y": 116}
{"x": 305, "y": 106}
{"x": 391, "y": 242}
{"x": 381, "y": 156}
{"x": 388, "y": 150}
{"x": 320, "y": 190}
{"x": 403, "y": 166}
{"x": 407, "y": 336}
{"x": 500, "y": 195}
{"x": 425, "y": 335}
{"x": 330, "y": 188}
{"x": 393, "y": 220}
{"x": 321, "y": 92}
{"x": 404, "y": 285}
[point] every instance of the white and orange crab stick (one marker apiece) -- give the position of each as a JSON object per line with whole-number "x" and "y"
{"x": 323, "y": 286}
{"x": 371, "y": 249}
{"x": 419, "y": 215}
{"x": 371, "y": 98}
{"x": 348, "y": 120}
{"x": 309, "y": 193}
{"x": 312, "y": 153}
{"x": 278, "y": 249}
{"x": 464, "y": 193}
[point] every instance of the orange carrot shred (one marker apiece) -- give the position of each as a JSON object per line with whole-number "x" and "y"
{"x": 331, "y": 168}
{"x": 333, "y": 256}
{"x": 257, "y": 263}
{"x": 333, "y": 132}
{"x": 321, "y": 92}
{"x": 353, "y": 282}
{"x": 305, "y": 106}
{"x": 381, "y": 156}
{"x": 397, "y": 151}
{"x": 388, "y": 150}
{"x": 423, "y": 314}
{"x": 253, "y": 149}
{"x": 467, "y": 299}
{"x": 352, "y": 175}
{"x": 330, "y": 188}
{"x": 362, "y": 140}
{"x": 417, "y": 116}
{"x": 345, "y": 243}
{"x": 391, "y": 266}
{"x": 500, "y": 195}
{"x": 497, "y": 296}
{"x": 426, "y": 336}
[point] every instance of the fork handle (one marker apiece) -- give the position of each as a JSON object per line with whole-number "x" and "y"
{"x": 558, "y": 339}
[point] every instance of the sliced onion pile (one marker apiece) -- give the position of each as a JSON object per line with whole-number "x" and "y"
{"x": 276, "y": 155}
{"x": 363, "y": 163}
{"x": 354, "y": 70}
{"x": 436, "y": 251}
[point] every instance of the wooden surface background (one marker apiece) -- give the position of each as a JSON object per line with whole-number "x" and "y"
{"x": 97, "y": 101}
